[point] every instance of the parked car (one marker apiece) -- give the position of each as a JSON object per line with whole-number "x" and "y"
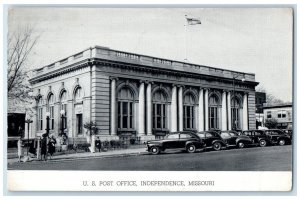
{"x": 232, "y": 138}
{"x": 212, "y": 140}
{"x": 186, "y": 140}
{"x": 276, "y": 136}
{"x": 289, "y": 132}
{"x": 258, "y": 137}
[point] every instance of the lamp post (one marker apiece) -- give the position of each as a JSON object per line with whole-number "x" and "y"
{"x": 234, "y": 78}
{"x": 47, "y": 124}
{"x": 28, "y": 121}
{"x": 62, "y": 113}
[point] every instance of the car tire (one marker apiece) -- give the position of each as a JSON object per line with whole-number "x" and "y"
{"x": 217, "y": 146}
{"x": 241, "y": 145}
{"x": 281, "y": 142}
{"x": 155, "y": 150}
{"x": 262, "y": 143}
{"x": 191, "y": 148}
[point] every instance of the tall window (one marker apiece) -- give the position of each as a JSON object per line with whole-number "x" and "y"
{"x": 78, "y": 94}
{"x": 189, "y": 112}
{"x": 159, "y": 110}
{"x": 125, "y": 109}
{"x": 40, "y": 114}
{"x": 78, "y": 101}
{"x": 235, "y": 114}
{"x": 51, "y": 110}
{"x": 213, "y": 112}
{"x": 63, "y": 106}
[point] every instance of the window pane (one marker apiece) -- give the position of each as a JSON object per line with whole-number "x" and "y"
{"x": 125, "y": 108}
{"x": 159, "y": 122}
{"x": 130, "y": 108}
{"x": 125, "y": 122}
{"x": 158, "y": 110}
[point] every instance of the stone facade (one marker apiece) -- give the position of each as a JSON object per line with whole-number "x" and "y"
{"x": 142, "y": 96}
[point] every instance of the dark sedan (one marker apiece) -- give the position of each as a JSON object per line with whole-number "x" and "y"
{"x": 232, "y": 138}
{"x": 277, "y": 136}
{"x": 212, "y": 140}
{"x": 258, "y": 137}
{"x": 185, "y": 140}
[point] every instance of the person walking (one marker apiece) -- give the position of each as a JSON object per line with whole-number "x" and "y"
{"x": 51, "y": 145}
{"x": 20, "y": 150}
{"x": 44, "y": 143}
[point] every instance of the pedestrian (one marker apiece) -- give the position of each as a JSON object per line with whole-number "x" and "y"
{"x": 44, "y": 146}
{"x": 20, "y": 150}
{"x": 51, "y": 145}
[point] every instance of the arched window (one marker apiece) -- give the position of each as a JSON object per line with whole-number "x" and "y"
{"x": 213, "y": 112}
{"x": 51, "y": 110}
{"x": 63, "y": 106}
{"x": 235, "y": 113}
{"x": 189, "y": 112}
{"x": 159, "y": 110}
{"x": 40, "y": 114}
{"x": 125, "y": 109}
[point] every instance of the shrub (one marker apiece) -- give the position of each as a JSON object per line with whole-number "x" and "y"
{"x": 271, "y": 123}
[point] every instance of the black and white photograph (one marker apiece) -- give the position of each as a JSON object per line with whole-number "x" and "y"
{"x": 151, "y": 97}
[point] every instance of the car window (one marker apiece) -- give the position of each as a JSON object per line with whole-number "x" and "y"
{"x": 232, "y": 134}
{"x": 173, "y": 136}
{"x": 257, "y": 133}
{"x": 225, "y": 135}
{"x": 201, "y": 135}
{"x": 184, "y": 136}
{"x": 249, "y": 133}
{"x": 208, "y": 135}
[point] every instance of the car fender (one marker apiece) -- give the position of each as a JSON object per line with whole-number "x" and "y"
{"x": 155, "y": 144}
{"x": 244, "y": 140}
{"x": 196, "y": 143}
{"x": 222, "y": 142}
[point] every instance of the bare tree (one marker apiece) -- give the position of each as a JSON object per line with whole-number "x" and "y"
{"x": 20, "y": 45}
{"x": 270, "y": 98}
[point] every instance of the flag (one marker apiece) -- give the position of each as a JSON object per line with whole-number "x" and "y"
{"x": 193, "y": 21}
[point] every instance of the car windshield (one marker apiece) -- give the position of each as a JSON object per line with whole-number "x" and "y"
{"x": 225, "y": 135}
{"x": 173, "y": 136}
{"x": 233, "y": 133}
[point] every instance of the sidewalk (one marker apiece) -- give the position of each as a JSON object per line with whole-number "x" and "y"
{"x": 88, "y": 155}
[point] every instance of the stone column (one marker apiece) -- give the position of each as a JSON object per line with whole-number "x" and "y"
{"x": 245, "y": 112}
{"x": 224, "y": 113}
{"x": 141, "y": 119}
{"x": 149, "y": 109}
{"x": 180, "y": 107}
{"x": 201, "y": 110}
{"x": 174, "y": 109}
{"x": 113, "y": 107}
{"x": 206, "y": 109}
{"x": 229, "y": 110}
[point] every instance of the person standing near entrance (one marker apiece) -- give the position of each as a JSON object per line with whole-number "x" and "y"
{"x": 51, "y": 145}
{"x": 44, "y": 144}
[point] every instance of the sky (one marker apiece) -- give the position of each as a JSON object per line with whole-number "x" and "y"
{"x": 251, "y": 40}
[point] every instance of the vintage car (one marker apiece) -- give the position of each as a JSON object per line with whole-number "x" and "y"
{"x": 231, "y": 138}
{"x": 186, "y": 140}
{"x": 258, "y": 137}
{"x": 289, "y": 132}
{"x": 212, "y": 140}
{"x": 277, "y": 136}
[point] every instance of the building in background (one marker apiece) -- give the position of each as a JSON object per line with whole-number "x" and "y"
{"x": 260, "y": 99}
{"x": 282, "y": 112}
{"x": 139, "y": 96}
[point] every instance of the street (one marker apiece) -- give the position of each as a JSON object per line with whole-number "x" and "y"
{"x": 274, "y": 158}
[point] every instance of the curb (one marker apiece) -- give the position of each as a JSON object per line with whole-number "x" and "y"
{"x": 86, "y": 157}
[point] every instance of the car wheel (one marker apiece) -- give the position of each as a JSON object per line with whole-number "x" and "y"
{"x": 241, "y": 145}
{"x": 262, "y": 143}
{"x": 155, "y": 150}
{"x": 191, "y": 148}
{"x": 217, "y": 146}
{"x": 281, "y": 142}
